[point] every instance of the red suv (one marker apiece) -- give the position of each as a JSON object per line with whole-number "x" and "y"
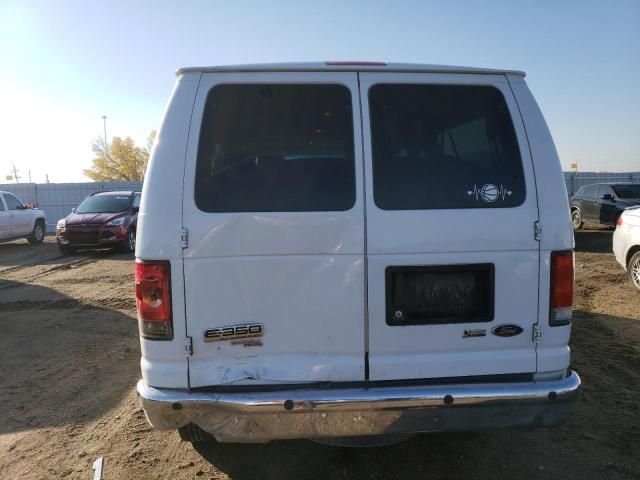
{"x": 102, "y": 220}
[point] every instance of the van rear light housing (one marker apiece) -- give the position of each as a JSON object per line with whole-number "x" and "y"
{"x": 153, "y": 299}
{"x": 561, "y": 294}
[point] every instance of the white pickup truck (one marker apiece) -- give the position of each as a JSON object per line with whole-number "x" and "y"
{"x": 18, "y": 221}
{"x": 346, "y": 250}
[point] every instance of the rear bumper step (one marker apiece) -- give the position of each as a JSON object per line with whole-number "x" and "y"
{"x": 326, "y": 413}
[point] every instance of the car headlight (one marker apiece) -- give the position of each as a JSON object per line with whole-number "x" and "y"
{"x": 116, "y": 222}
{"x": 61, "y": 223}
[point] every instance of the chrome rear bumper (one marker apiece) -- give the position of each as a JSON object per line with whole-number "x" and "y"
{"x": 325, "y": 413}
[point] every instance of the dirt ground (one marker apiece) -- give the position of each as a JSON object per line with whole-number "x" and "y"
{"x": 69, "y": 357}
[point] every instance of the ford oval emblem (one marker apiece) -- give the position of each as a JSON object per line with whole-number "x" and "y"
{"x": 507, "y": 330}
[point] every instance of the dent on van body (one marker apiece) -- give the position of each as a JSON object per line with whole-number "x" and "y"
{"x": 310, "y": 306}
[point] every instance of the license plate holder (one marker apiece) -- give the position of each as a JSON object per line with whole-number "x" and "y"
{"x": 439, "y": 294}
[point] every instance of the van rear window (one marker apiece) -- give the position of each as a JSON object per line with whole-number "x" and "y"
{"x": 276, "y": 148}
{"x": 443, "y": 146}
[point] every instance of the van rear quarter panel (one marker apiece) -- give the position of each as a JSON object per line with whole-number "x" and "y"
{"x": 159, "y": 228}
{"x": 553, "y": 206}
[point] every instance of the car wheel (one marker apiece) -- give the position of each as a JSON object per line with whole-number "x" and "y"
{"x": 576, "y": 220}
{"x": 37, "y": 235}
{"x": 129, "y": 245}
{"x": 194, "y": 434}
{"x": 633, "y": 271}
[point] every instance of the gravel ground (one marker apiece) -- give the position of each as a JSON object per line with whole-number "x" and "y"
{"x": 69, "y": 358}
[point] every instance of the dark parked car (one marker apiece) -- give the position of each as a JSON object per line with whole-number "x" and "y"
{"x": 102, "y": 220}
{"x": 602, "y": 203}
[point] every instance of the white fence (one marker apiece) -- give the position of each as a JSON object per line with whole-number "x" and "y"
{"x": 57, "y": 199}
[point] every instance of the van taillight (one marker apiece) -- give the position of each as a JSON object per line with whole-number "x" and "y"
{"x": 619, "y": 222}
{"x": 561, "y": 295}
{"x": 153, "y": 299}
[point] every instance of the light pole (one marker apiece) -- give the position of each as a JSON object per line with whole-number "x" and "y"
{"x": 106, "y": 145}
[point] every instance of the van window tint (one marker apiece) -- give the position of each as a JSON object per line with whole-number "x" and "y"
{"x": 276, "y": 148}
{"x": 443, "y": 146}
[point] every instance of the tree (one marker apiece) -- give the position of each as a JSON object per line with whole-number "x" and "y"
{"x": 123, "y": 160}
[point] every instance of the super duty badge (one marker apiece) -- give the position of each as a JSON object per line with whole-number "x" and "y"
{"x": 234, "y": 332}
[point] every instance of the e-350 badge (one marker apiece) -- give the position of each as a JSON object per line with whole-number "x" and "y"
{"x": 233, "y": 332}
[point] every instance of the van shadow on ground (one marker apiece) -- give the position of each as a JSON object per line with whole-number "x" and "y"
{"x": 61, "y": 361}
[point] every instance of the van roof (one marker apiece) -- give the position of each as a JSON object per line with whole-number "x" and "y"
{"x": 355, "y": 66}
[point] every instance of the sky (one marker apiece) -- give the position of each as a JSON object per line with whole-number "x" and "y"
{"x": 64, "y": 64}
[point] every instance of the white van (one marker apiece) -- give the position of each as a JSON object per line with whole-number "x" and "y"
{"x": 338, "y": 249}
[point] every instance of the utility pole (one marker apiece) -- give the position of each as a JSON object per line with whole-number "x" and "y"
{"x": 106, "y": 145}
{"x": 15, "y": 173}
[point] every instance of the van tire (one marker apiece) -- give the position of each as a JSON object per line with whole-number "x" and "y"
{"x": 194, "y": 434}
{"x": 633, "y": 271}
{"x": 576, "y": 220}
{"x": 37, "y": 235}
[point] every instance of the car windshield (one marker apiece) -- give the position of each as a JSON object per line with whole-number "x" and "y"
{"x": 104, "y": 204}
{"x": 627, "y": 191}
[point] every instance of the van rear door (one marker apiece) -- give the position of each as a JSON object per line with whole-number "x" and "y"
{"x": 274, "y": 212}
{"x": 451, "y": 206}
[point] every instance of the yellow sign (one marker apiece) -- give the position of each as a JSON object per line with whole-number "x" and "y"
{"x": 574, "y": 165}
{"x": 8, "y": 177}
